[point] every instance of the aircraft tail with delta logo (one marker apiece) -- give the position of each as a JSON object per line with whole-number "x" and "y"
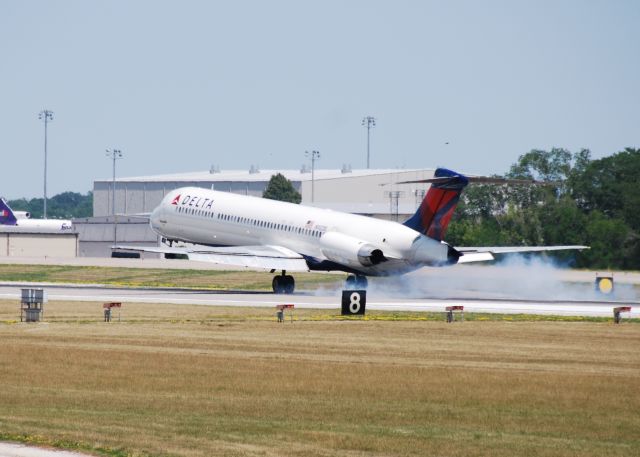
{"x": 433, "y": 216}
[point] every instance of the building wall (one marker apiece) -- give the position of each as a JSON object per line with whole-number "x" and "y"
{"x": 135, "y": 197}
{"x": 97, "y": 234}
{"x": 143, "y": 197}
{"x": 375, "y": 195}
{"x": 38, "y": 245}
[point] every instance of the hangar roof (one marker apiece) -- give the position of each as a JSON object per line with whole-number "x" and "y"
{"x": 263, "y": 175}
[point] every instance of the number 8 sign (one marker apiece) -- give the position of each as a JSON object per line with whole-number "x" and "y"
{"x": 353, "y": 302}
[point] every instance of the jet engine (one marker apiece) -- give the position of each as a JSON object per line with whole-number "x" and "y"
{"x": 347, "y": 250}
{"x": 22, "y": 214}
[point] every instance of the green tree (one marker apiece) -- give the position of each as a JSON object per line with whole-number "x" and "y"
{"x": 66, "y": 205}
{"x": 554, "y": 165}
{"x": 612, "y": 243}
{"x": 280, "y": 188}
{"x": 590, "y": 202}
{"x": 611, "y": 185}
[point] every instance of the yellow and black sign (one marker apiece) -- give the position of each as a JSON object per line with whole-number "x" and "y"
{"x": 604, "y": 284}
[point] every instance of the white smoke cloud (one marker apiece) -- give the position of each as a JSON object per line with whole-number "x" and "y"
{"x": 515, "y": 277}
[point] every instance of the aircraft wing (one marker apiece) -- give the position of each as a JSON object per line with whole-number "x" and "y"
{"x": 481, "y": 254}
{"x": 267, "y": 257}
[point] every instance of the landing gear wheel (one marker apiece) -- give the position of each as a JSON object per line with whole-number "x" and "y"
{"x": 277, "y": 285}
{"x": 283, "y": 284}
{"x": 356, "y": 282}
{"x": 289, "y": 284}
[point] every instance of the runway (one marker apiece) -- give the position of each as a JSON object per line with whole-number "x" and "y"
{"x": 322, "y": 299}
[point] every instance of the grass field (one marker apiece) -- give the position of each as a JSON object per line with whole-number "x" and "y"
{"x": 158, "y": 277}
{"x": 202, "y": 381}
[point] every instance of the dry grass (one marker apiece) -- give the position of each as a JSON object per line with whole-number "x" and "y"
{"x": 200, "y": 381}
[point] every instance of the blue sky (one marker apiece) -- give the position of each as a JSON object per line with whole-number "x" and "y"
{"x": 180, "y": 86}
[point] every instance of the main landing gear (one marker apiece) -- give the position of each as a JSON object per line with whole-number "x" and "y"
{"x": 283, "y": 284}
{"x": 356, "y": 282}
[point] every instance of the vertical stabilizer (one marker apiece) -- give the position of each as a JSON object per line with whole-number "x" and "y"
{"x": 6, "y": 214}
{"x": 435, "y": 211}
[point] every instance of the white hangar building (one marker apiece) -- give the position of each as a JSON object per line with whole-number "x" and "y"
{"x": 368, "y": 192}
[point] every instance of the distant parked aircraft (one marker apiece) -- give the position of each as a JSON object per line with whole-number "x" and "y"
{"x": 20, "y": 221}
{"x": 247, "y": 231}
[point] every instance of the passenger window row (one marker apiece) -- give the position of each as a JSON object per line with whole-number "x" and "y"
{"x": 248, "y": 221}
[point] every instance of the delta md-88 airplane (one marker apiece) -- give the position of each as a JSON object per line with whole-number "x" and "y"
{"x": 254, "y": 232}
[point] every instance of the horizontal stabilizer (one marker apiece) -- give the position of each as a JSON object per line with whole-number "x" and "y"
{"x": 481, "y": 180}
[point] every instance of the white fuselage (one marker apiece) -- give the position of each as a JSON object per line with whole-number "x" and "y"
{"x": 24, "y": 225}
{"x": 327, "y": 239}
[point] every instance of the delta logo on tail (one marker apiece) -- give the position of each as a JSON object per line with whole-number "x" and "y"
{"x": 434, "y": 214}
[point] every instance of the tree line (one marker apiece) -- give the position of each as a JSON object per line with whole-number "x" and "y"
{"x": 584, "y": 201}
{"x": 66, "y": 205}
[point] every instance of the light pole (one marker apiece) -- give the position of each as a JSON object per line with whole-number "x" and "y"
{"x": 369, "y": 122}
{"x": 45, "y": 116}
{"x": 114, "y": 154}
{"x": 315, "y": 155}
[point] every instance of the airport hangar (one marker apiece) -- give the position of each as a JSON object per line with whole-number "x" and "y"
{"x": 14, "y": 243}
{"x": 371, "y": 192}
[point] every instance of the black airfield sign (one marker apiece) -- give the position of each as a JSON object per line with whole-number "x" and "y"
{"x": 354, "y": 302}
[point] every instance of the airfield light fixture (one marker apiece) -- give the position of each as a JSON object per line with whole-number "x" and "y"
{"x": 369, "y": 122}
{"x": 45, "y": 116}
{"x": 315, "y": 155}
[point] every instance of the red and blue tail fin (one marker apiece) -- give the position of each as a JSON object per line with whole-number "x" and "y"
{"x": 6, "y": 215}
{"x": 435, "y": 211}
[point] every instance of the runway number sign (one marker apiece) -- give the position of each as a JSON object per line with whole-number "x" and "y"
{"x": 353, "y": 302}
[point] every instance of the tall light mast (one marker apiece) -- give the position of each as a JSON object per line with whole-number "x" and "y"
{"x": 45, "y": 116}
{"x": 114, "y": 154}
{"x": 369, "y": 122}
{"x": 315, "y": 155}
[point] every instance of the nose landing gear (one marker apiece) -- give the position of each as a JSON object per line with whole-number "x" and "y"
{"x": 283, "y": 284}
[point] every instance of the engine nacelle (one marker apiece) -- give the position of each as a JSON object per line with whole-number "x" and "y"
{"x": 22, "y": 214}
{"x": 351, "y": 251}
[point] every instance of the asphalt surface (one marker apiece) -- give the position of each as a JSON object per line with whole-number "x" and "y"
{"x": 322, "y": 299}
